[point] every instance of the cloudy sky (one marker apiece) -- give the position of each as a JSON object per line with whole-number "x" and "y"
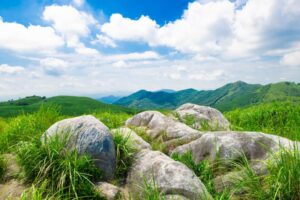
{"x": 98, "y": 47}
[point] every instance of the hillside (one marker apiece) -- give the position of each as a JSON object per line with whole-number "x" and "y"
{"x": 229, "y": 97}
{"x": 69, "y": 105}
{"x": 109, "y": 99}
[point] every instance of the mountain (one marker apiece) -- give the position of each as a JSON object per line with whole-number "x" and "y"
{"x": 228, "y": 97}
{"x": 69, "y": 105}
{"x": 109, "y": 99}
{"x": 167, "y": 90}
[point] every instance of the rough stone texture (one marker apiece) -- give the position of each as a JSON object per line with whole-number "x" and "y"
{"x": 213, "y": 117}
{"x": 232, "y": 146}
{"x": 89, "y": 136}
{"x": 109, "y": 191}
{"x": 137, "y": 142}
{"x": 12, "y": 190}
{"x": 170, "y": 177}
{"x": 175, "y": 197}
{"x": 158, "y": 125}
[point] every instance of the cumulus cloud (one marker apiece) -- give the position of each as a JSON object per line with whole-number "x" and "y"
{"x": 17, "y": 37}
{"x": 78, "y": 2}
{"x": 291, "y": 59}
{"x": 54, "y": 66}
{"x": 207, "y": 76}
{"x": 105, "y": 41}
{"x": 147, "y": 55}
{"x": 69, "y": 22}
{"x": 8, "y": 69}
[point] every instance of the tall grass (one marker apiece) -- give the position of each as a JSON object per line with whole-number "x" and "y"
{"x": 65, "y": 173}
{"x": 281, "y": 118}
{"x": 112, "y": 120}
{"x": 125, "y": 155}
{"x": 27, "y": 127}
{"x": 2, "y": 167}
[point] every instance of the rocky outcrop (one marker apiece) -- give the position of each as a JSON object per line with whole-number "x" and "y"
{"x": 232, "y": 146}
{"x": 109, "y": 191}
{"x": 169, "y": 176}
{"x": 89, "y": 136}
{"x": 159, "y": 126}
{"x": 200, "y": 116}
{"x": 136, "y": 141}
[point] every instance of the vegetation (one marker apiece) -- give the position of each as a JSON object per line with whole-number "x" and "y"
{"x": 2, "y": 167}
{"x": 281, "y": 118}
{"x": 28, "y": 127}
{"x": 151, "y": 191}
{"x": 112, "y": 120}
{"x": 229, "y": 97}
{"x": 69, "y": 105}
{"x": 125, "y": 155}
{"x": 61, "y": 173}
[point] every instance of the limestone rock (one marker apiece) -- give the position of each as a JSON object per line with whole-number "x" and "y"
{"x": 169, "y": 176}
{"x": 109, "y": 191}
{"x": 89, "y": 136}
{"x": 203, "y": 115}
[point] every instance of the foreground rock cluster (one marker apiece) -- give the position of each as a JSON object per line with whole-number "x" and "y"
{"x": 88, "y": 135}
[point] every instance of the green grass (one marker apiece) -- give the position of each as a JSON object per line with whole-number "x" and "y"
{"x": 27, "y": 127}
{"x": 125, "y": 155}
{"x": 280, "y": 118}
{"x": 2, "y": 167}
{"x": 69, "y": 105}
{"x": 60, "y": 172}
{"x": 112, "y": 120}
{"x": 151, "y": 191}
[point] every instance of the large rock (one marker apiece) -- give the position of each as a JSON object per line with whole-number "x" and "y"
{"x": 202, "y": 115}
{"x": 233, "y": 146}
{"x": 157, "y": 125}
{"x": 170, "y": 177}
{"x": 89, "y": 136}
{"x": 136, "y": 141}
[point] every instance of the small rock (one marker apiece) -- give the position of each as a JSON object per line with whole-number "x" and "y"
{"x": 88, "y": 136}
{"x": 107, "y": 190}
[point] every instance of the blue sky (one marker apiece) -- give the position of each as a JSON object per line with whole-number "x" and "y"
{"x": 99, "y": 47}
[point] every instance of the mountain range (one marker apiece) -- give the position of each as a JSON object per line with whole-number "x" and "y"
{"x": 229, "y": 97}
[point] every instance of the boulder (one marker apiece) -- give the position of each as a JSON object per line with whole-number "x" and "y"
{"x": 158, "y": 126}
{"x": 233, "y": 146}
{"x": 202, "y": 115}
{"x": 136, "y": 141}
{"x": 175, "y": 197}
{"x": 87, "y": 135}
{"x": 109, "y": 191}
{"x": 169, "y": 176}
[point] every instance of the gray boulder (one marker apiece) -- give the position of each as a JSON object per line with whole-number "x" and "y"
{"x": 136, "y": 141}
{"x": 169, "y": 176}
{"x": 89, "y": 136}
{"x": 159, "y": 126}
{"x": 109, "y": 191}
{"x": 201, "y": 115}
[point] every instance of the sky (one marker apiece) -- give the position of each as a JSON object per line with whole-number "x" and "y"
{"x": 101, "y": 47}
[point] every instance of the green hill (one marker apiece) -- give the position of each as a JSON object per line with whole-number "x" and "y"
{"x": 229, "y": 97}
{"x": 69, "y": 105}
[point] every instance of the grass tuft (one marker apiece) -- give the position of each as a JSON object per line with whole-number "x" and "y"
{"x": 112, "y": 120}
{"x": 65, "y": 173}
{"x": 3, "y": 166}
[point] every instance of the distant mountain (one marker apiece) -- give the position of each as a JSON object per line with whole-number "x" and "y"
{"x": 228, "y": 97}
{"x": 69, "y": 105}
{"x": 109, "y": 99}
{"x": 167, "y": 90}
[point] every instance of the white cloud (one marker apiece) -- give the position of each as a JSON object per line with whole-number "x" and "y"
{"x": 291, "y": 59}
{"x": 147, "y": 55}
{"x": 54, "y": 66}
{"x": 120, "y": 28}
{"x": 69, "y": 22}
{"x": 78, "y": 3}
{"x": 87, "y": 51}
{"x": 105, "y": 41}
{"x": 17, "y": 37}
{"x": 8, "y": 69}
{"x": 207, "y": 76}
{"x": 120, "y": 64}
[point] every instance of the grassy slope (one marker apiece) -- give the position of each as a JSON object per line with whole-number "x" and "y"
{"x": 229, "y": 97}
{"x": 69, "y": 105}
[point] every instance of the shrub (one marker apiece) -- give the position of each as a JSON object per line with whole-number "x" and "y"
{"x": 112, "y": 120}
{"x": 28, "y": 127}
{"x": 125, "y": 155}
{"x": 65, "y": 173}
{"x": 2, "y": 167}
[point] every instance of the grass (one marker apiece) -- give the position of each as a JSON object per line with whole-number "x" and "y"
{"x": 125, "y": 156}
{"x": 61, "y": 172}
{"x": 151, "y": 191}
{"x": 2, "y": 167}
{"x": 28, "y": 127}
{"x": 112, "y": 120}
{"x": 276, "y": 118}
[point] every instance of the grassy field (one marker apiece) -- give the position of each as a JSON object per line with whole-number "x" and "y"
{"x": 69, "y": 105}
{"x": 280, "y": 118}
